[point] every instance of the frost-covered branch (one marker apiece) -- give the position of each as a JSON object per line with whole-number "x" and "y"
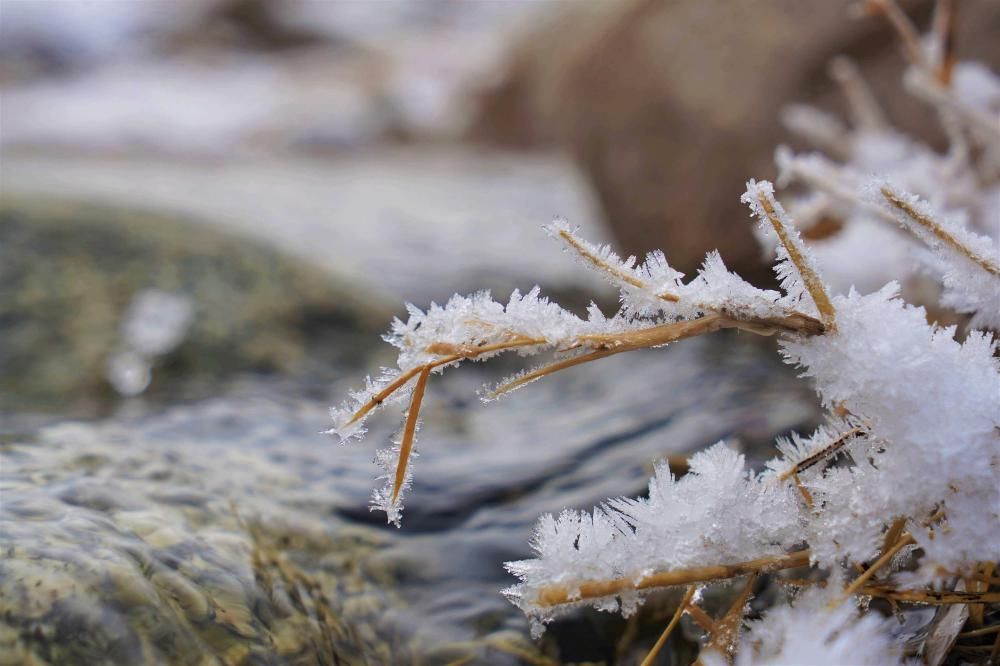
{"x": 865, "y": 249}
{"x": 658, "y": 308}
{"x": 906, "y": 468}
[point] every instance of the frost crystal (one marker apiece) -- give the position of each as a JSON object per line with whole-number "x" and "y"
{"x": 719, "y": 512}
{"x": 906, "y": 468}
{"x": 806, "y": 633}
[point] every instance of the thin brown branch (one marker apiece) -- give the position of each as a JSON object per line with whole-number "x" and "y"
{"x": 866, "y": 113}
{"x": 727, "y": 629}
{"x": 609, "y": 344}
{"x": 654, "y": 336}
{"x": 472, "y": 351}
{"x": 450, "y": 353}
{"x": 830, "y": 449}
{"x": 806, "y": 495}
{"x": 930, "y": 596}
{"x": 549, "y": 369}
{"x": 812, "y": 281}
{"x": 985, "y": 631}
{"x": 794, "y": 322}
{"x": 945, "y": 19}
{"x": 893, "y": 533}
{"x": 613, "y": 271}
{"x": 931, "y": 225}
{"x": 908, "y": 33}
{"x": 555, "y": 595}
{"x": 983, "y": 578}
{"x": 409, "y": 430}
{"x": 661, "y": 641}
{"x": 801, "y": 582}
{"x": 886, "y": 557}
{"x": 703, "y": 619}
{"x": 380, "y": 397}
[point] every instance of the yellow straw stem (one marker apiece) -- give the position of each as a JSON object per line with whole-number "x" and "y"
{"x": 906, "y": 540}
{"x": 453, "y": 353}
{"x": 939, "y": 232}
{"x": 609, "y": 344}
{"x": 613, "y": 271}
{"x": 555, "y": 595}
{"x": 727, "y": 629}
{"x": 945, "y": 20}
{"x": 809, "y": 277}
{"x": 816, "y": 457}
{"x": 661, "y": 641}
{"x": 409, "y": 430}
{"x": 930, "y": 596}
{"x": 908, "y": 33}
{"x": 380, "y": 397}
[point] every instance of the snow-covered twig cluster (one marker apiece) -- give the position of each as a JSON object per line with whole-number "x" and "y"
{"x": 657, "y": 308}
{"x": 907, "y": 466}
{"x": 857, "y": 241}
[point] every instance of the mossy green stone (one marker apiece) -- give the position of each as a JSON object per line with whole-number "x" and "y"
{"x": 69, "y": 270}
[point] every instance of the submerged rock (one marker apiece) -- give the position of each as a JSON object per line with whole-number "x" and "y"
{"x": 128, "y": 556}
{"x": 69, "y": 273}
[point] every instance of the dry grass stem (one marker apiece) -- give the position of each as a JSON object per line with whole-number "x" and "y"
{"x": 829, "y": 181}
{"x": 609, "y": 344}
{"x": 471, "y": 351}
{"x": 908, "y": 33}
{"x": 982, "y": 579}
{"x": 812, "y": 281}
{"x": 893, "y": 533}
{"x": 931, "y": 596}
{"x": 865, "y": 110}
{"x": 451, "y": 354}
{"x": 555, "y": 595}
{"x": 661, "y": 641}
{"x": 823, "y": 454}
{"x": 609, "y": 269}
{"x": 381, "y": 396}
{"x": 727, "y": 629}
{"x": 703, "y": 619}
{"x": 806, "y": 495}
{"x": 529, "y": 377}
{"x": 945, "y": 18}
{"x": 858, "y": 582}
{"x": 409, "y": 430}
{"x": 985, "y": 631}
{"x": 987, "y": 264}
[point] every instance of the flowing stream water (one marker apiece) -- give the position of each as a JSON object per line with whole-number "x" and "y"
{"x": 231, "y": 527}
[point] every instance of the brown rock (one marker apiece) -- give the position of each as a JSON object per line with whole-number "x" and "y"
{"x": 670, "y": 106}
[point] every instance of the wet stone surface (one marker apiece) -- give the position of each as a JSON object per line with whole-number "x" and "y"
{"x": 68, "y": 273}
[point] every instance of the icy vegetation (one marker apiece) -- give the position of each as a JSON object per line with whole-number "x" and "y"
{"x": 896, "y": 496}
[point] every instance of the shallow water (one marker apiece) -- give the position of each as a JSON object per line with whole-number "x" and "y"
{"x": 216, "y": 495}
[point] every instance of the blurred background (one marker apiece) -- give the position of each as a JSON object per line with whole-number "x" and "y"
{"x": 210, "y": 209}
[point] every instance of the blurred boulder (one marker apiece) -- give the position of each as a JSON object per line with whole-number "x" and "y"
{"x": 669, "y": 107}
{"x": 72, "y": 276}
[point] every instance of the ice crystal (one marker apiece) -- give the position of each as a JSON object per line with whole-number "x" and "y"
{"x": 719, "y": 512}
{"x": 906, "y": 467}
{"x": 961, "y": 185}
{"x": 805, "y": 633}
